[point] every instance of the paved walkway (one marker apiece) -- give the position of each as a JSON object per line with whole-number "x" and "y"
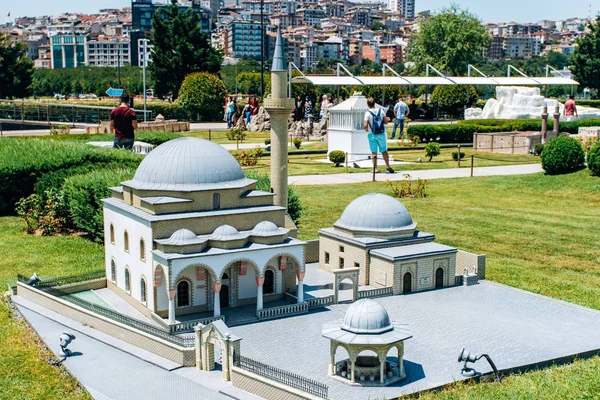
{"x": 338, "y": 179}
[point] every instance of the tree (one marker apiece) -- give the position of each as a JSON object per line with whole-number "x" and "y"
{"x": 180, "y": 48}
{"x": 452, "y": 97}
{"x": 378, "y": 26}
{"x": 203, "y": 95}
{"x": 586, "y": 58}
{"x": 432, "y": 150}
{"x": 450, "y": 40}
{"x": 16, "y": 69}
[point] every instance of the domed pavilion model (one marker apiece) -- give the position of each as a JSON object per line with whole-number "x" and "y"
{"x": 190, "y": 233}
{"x": 367, "y": 328}
{"x": 377, "y": 237}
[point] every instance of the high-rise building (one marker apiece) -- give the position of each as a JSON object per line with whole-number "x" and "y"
{"x": 404, "y": 7}
{"x": 141, "y": 20}
{"x": 68, "y": 50}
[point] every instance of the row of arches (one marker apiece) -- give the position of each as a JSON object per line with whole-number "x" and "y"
{"x": 126, "y": 247}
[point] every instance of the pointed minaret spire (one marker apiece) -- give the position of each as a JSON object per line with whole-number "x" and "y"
{"x": 278, "y": 57}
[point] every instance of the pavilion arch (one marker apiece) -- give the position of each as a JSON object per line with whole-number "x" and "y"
{"x": 298, "y": 266}
{"x": 185, "y": 270}
{"x": 166, "y": 273}
{"x": 257, "y": 270}
{"x": 292, "y": 270}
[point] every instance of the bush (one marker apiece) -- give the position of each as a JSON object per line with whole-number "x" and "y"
{"x": 263, "y": 182}
{"x": 455, "y": 155}
{"x": 249, "y": 158}
{"x": 236, "y": 134}
{"x": 83, "y": 196}
{"x": 537, "y": 149}
{"x": 451, "y": 98}
{"x": 46, "y": 214}
{"x": 337, "y": 157}
{"x": 202, "y": 95}
{"x": 267, "y": 142}
{"x": 60, "y": 130}
{"x": 405, "y": 189}
{"x": 156, "y": 138}
{"x": 562, "y": 155}
{"x": 24, "y": 162}
{"x": 297, "y": 143}
{"x": 432, "y": 150}
{"x": 593, "y": 159}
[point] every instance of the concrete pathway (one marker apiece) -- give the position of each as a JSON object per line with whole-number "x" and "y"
{"x": 338, "y": 179}
{"x": 112, "y": 369}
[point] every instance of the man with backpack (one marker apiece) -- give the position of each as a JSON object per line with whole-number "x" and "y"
{"x": 375, "y": 121}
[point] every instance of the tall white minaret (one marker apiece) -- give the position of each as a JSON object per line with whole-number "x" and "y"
{"x": 279, "y": 106}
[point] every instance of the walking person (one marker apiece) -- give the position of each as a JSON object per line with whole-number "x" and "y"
{"x": 124, "y": 123}
{"x": 248, "y": 111}
{"x": 325, "y": 104}
{"x": 299, "y": 109}
{"x": 230, "y": 107}
{"x": 570, "y": 109}
{"x": 401, "y": 111}
{"x": 375, "y": 121}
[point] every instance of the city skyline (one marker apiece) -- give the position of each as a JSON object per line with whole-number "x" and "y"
{"x": 531, "y": 11}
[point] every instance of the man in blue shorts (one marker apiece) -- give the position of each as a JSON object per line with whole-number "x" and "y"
{"x": 375, "y": 121}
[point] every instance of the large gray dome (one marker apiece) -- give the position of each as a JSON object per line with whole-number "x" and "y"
{"x": 376, "y": 213}
{"x": 188, "y": 164}
{"x": 367, "y": 317}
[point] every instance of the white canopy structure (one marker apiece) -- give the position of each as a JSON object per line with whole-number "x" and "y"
{"x": 439, "y": 79}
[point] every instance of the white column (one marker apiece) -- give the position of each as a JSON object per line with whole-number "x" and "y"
{"x": 300, "y": 289}
{"x": 259, "y": 293}
{"x": 217, "y": 299}
{"x": 382, "y": 369}
{"x": 171, "y": 294}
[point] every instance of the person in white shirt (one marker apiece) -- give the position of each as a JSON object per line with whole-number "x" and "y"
{"x": 401, "y": 111}
{"x": 375, "y": 121}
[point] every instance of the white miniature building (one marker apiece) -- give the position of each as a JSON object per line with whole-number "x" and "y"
{"x": 346, "y": 128}
{"x": 190, "y": 233}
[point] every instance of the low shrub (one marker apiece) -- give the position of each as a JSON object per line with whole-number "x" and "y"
{"x": 24, "y": 162}
{"x": 60, "y": 130}
{"x": 593, "y": 159}
{"x": 156, "y": 138}
{"x": 263, "y": 182}
{"x": 562, "y": 155}
{"x": 249, "y": 158}
{"x": 405, "y": 189}
{"x": 47, "y": 214}
{"x": 432, "y": 150}
{"x": 537, "y": 149}
{"x": 83, "y": 196}
{"x": 236, "y": 134}
{"x": 267, "y": 142}
{"x": 337, "y": 157}
{"x": 297, "y": 143}
{"x": 455, "y": 155}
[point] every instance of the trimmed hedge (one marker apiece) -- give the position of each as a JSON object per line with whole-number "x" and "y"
{"x": 462, "y": 132}
{"x": 593, "y": 159}
{"x": 25, "y": 162}
{"x": 155, "y": 138}
{"x": 83, "y": 196}
{"x": 562, "y": 155}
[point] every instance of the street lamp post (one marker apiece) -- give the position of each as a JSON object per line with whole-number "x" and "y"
{"x": 144, "y": 72}
{"x": 262, "y": 49}
{"x": 119, "y": 62}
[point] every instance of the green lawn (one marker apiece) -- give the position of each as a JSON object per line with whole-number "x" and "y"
{"x": 540, "y": 233}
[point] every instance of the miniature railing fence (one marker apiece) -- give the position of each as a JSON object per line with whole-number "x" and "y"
{"x": 319, "y": 302}
{"x": 280, "y": 311}
{"x": 20, "y": 110}
{"x": 188, "y": 326}
{"x": 287, "y": 378}
{"x": 105, "y": 312}
{"x": 378, "y": 292}
{"x": 63, "y": 280}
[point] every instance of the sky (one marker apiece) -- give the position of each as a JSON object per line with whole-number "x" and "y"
{"x": 488, "y": 11}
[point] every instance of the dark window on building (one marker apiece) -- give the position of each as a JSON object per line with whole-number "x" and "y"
{"x": 216, "y": 201}
{"x": 183, "y": 294}
{"x": 269, "y": 285}
{"x": 127, "y": 281}
{"x": 113, "y": 271}
{"x": 356, "y": 265}
{"x": 341, "y": 249}
{"x": 341, "y": 263}
{"x": 326, "y": 258}
{"x": 142, "y": 290}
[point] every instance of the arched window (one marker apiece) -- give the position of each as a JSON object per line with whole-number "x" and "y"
{"x": 142, "y": 250}
{"x": 112, "y": 233}
{"x": 143, "y": 290}
{"x": 113, "y": 271}
{"x": 216, "y": 201}
{"x": 407, "y": 283}
{"x": 269, "y": 285}
{"x": 439, "y": 278}
{"x": 183, "y": 294}
{"x": 127, "y": 280}
{"x": 126, "y": 240}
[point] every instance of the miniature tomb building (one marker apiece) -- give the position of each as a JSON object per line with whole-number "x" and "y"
{"x": 377, "y": 235}
{"x": 190, "y": 233}
{"x": 346, "y": 128}
{"x": 366, "y": 328}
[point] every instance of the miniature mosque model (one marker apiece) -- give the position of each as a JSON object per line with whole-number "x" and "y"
{"x": 190, "y": 233}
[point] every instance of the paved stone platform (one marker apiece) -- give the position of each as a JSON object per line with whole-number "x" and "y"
{"x": 516, "y": 328}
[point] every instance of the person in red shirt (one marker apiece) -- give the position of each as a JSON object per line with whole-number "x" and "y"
{"x": 570, "y": 109}
{"x": 124, "y": 123}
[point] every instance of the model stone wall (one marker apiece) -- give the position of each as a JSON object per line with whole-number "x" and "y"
{"x": 382, "y": 274}
{"x": 353, "y": 256}
{"x": 468, "y": 261}
{"x": 265, "y": 388}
